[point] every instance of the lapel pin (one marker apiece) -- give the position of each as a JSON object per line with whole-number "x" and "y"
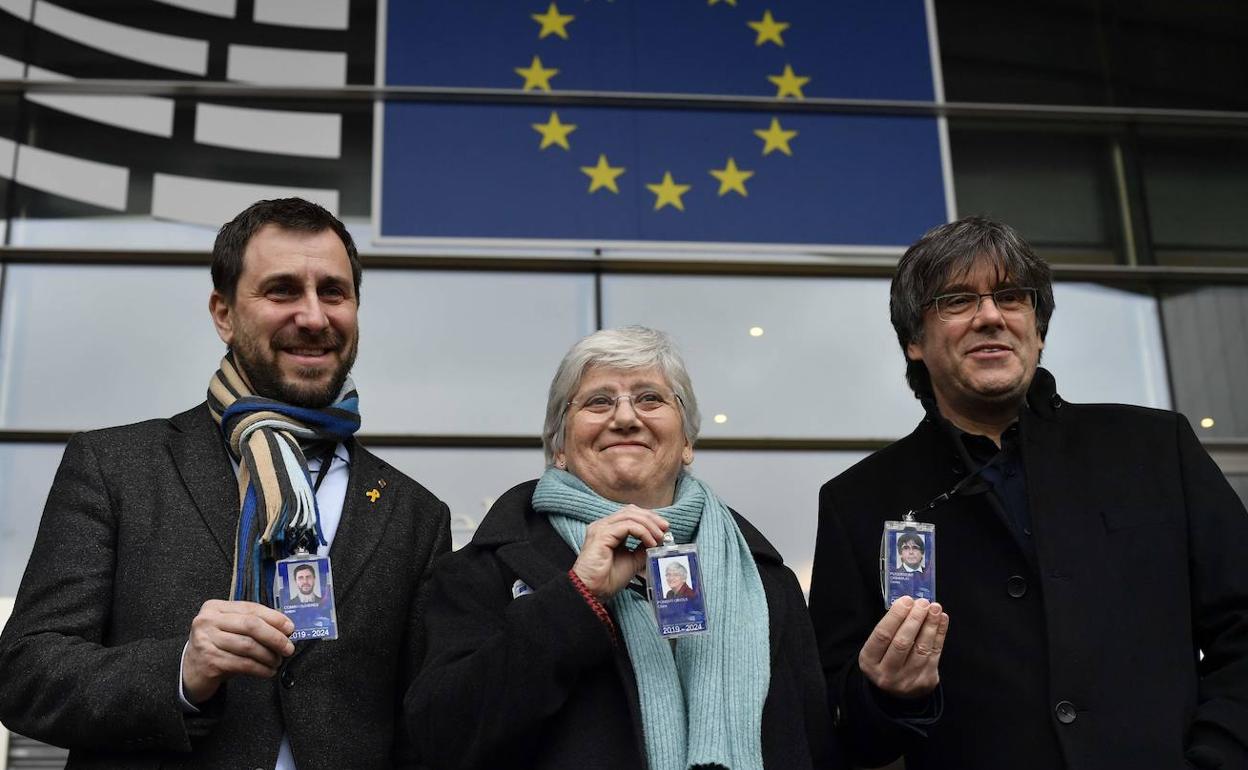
{"x": 372, "y": 495}
{"x": 381, "y": 483}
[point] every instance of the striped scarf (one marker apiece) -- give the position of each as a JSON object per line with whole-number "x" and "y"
{"x": 267, "y": 440}
{"x": 701, "y": 702}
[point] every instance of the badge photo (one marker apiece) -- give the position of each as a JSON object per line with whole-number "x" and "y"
{"x": 676, "y": 590}
{"x": 908, "y": 561}
{"x": 303, "y": 589}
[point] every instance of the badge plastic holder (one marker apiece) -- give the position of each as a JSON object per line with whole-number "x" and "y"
{"x": 675, "y": 589}
{"x": 908, "y": 560}
{"x": 303, "y": 590}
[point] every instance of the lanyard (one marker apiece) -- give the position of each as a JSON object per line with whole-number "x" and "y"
{"x": 944, "y": 497}
{"x": 326, "y": 461}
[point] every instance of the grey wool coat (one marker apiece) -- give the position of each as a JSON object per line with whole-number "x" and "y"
{"x": 137, "y": 534}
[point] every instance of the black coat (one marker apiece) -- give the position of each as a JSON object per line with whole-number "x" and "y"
{"x": 537, "y": 682}
{"x": 1079, "y": 652}
{"x": 137, "y": 534}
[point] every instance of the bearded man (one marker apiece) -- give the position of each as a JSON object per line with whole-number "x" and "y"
{"x": 143, "y": 634}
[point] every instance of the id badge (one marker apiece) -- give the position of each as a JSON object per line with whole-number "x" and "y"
{"x": 303, "y": 589}
{"x": 908, "y": 561}
{"x": 676, "y": 591}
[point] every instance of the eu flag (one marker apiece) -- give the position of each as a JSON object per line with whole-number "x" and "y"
{"x": 661, "y": 175}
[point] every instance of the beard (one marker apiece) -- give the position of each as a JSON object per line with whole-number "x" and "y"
{"x": 259, "y": 362}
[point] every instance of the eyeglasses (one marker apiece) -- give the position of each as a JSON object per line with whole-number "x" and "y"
{"x": 602, "y": 405}
{"x": 963, "y": 306}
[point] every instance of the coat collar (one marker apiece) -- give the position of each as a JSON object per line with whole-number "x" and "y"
{"x": 201, "y": 460}
{"x": 366, "y": 512}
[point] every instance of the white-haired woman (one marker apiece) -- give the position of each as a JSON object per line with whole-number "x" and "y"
{"x": 541, "y": 654}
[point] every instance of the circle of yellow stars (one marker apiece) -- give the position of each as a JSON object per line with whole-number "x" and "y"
{"x": 668, "y": 192}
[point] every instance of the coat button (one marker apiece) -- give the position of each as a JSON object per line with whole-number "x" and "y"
{"x": 288, "y": 679}
{"x": 1055, "y": 401}
{"x": 1016, "y": 586}
{"x": 1065, "y": 711}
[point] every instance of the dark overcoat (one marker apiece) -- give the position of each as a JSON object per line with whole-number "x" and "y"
{"x": 1076, "y": 645}
{"x": 538, "y": 681}
{"x": 137, "y": 534}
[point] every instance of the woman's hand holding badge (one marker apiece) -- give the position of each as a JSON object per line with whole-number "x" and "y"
{"x": 605, "y": 565}
{"x": 902, "y": 654}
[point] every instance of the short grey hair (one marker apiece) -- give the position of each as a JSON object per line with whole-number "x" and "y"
{"x": 948, "y": 252}
{"x": 676, "y": 566}
{"x": 627, "y": 348}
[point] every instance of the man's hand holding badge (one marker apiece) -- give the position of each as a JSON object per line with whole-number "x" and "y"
{"x": 902, "y": 654}
{"x": 233, "y": 639}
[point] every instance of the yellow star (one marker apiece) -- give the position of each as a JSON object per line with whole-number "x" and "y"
{"x": 603, "y": 175}
{"x": 536, "y": 76}
{"x": 553, "y": 22}
{"x": 668, "y": 192}
{"x": 768, "y": 29}
{"x": 731, "y": 178}
{"x": 554, "y": 132}
{"x": 788, "y": 83}
{"x": 733, "y": 3}
{"x": 775, "y": 138}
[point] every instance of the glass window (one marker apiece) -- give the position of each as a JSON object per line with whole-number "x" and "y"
{"x": 778, "y": 357}
{"x": 778, "y": 492}
{"x": 1057, "y": 189}
{"x": 465, "y": 352}
{"x": 1105, "y": 345}
{"x": 1181, "y": 56}
{"x": 86, "y": 347}
{"x": 1196, "y": 186}
{"x": 1038, "y": 53}
{"x": 467, "y": 480}
{"x": 1209, "y": 356}
{"x": 827, "y": 363}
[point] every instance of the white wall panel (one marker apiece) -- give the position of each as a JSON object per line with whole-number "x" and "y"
{"x": 286, "y": 66}
{"x": 182, "y": 54}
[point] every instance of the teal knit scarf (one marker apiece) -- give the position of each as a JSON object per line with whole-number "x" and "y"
{"x": 701, "y": 703}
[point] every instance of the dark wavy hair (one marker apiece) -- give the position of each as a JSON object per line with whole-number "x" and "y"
{"x": 948, "y": 252}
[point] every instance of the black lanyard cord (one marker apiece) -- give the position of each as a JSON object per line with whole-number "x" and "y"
{"x": 326, "y": 461}
{"x": 945, "y": 497}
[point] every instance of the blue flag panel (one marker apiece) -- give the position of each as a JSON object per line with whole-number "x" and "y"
{"x": 624, "y": 174}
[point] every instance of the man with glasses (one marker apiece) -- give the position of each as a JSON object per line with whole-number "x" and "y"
{"x": 1080, "y": 551}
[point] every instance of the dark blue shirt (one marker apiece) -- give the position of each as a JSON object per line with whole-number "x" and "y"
{"x": 1006, "y": 476}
